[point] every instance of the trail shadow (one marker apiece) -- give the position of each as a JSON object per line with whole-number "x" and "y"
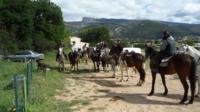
{"x": 102, "y": 82}
{"x": 140, "y": 98}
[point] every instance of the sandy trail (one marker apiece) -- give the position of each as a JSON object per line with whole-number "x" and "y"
{"x": 109, "y": 95}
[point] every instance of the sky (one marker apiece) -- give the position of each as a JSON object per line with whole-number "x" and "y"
{"x": 183, "y": 11}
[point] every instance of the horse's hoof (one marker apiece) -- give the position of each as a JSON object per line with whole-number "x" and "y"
{"x": 150, "y": 94}
{"x": 182, "y": 101}
{"x": 197, "y": 96}
{"x": 138, "y": 84}
{"x": 190, "y": 102}
{"x": 113, "y": 77}
{"x": 165, "y": 93}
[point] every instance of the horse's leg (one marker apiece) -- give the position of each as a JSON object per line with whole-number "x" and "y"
{"x": 94, "y": 66}
{"x": 77, "y": 66}
{"x": 98, "y": 63}
{"x": 164, "y": 83}
{"x": 121, "y": 69}
{"x": 59, "y": 65}
{"x": 153, "y": 74}
{"x": 63, "y": 65}
{"x": 185, "y": 86}
{"x": 127, "y": 73}
{"x": 113, "y": 68}
{"x": 192, "y": 87}
{"x": 142, "y": 76}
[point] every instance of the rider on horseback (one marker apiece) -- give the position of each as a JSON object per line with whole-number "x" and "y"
{"x": 74, "y": 47}
{"x": 167, "y": 48}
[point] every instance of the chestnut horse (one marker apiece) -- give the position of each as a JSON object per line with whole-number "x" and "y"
{"x": 182, "y": 64}
{"x": 132, "y": 59}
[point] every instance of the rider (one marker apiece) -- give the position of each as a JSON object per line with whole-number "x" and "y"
{"x": 117, "y": 48}
{"x": 168, "y": 45}
{"x": 74, "y": 47}
{"x": 167, "y": 48}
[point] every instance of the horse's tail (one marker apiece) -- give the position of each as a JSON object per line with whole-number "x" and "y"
{"x": 193, "y": 69}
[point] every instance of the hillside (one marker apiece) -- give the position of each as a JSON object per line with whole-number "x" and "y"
{"x": 136, "y": 29}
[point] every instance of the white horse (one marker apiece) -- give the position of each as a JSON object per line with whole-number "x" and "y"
{"x": 196, "y": 54}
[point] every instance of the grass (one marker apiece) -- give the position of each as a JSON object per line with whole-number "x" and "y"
{"x": 43, "y": 87}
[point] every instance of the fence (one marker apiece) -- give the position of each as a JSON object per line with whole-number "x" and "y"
{"x": 20, "y": 93}
{"x": 22, "y": 84}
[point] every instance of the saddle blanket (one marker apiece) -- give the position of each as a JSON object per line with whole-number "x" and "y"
{"x": 134, "y": 49}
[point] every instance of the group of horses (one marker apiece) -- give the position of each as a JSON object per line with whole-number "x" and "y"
{"x": 181, "y": 63}
{"x": 105, "y": 57}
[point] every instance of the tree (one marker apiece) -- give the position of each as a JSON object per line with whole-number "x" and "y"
{"x": 95, "y": 34}
{"x": 32, "y": 24}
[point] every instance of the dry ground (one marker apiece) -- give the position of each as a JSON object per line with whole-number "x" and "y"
{"x": 106, "y": 94}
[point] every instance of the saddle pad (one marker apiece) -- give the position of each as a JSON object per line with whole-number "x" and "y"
{"x": 166, "y": 59}
{"x": 164, "y": 62}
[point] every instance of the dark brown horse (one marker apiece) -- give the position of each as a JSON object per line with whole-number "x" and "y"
{"x": 132, "y": 59}
{"x": 182, "y": 64}
{"x": 73, "y": 59}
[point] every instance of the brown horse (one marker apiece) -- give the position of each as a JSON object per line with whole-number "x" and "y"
{"x": 132, "y": 59}
{"x": 73, "y": 59}
{"x": 182, "y": 64}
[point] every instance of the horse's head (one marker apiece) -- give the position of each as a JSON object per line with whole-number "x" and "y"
{"x": 60, "y": 51}
{"x": 149, "y": 50}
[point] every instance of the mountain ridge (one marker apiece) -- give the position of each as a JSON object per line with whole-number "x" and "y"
{"x": 135, "y": 29}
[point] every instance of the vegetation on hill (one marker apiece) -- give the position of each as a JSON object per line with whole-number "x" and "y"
{"x": 30, "y": 24}
{"x": 94, "y": 35}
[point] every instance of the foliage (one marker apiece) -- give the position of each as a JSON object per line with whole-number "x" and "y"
{"x": 190, "y": 42}
{"x": 94, "y": 35}
{"x": 29, "y": 24}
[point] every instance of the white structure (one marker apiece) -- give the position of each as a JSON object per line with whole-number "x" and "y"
{"x": 79, "y": 44}
{"x": 134, "y": 49}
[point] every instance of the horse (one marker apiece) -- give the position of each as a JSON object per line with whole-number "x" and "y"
{"x": 196, "y": 54}
{"x": 94, "y": 55}
{"x": 182, "y": 64}
{"x": 60, "y": 58}
{"x": 115, "y": 52}
{"x": 107, "y": 59}
{"x": 84, "y": 56}
{"x": 73, "y": 59}
{"x": 133, "y": 60}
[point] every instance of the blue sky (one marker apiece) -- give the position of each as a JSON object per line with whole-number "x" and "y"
{"x": 184, "y": 11}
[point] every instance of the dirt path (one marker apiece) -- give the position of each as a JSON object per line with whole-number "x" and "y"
{"x": 109, "y": 95}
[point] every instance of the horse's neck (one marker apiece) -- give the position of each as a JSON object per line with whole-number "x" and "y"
{"x": 154, "y": 53}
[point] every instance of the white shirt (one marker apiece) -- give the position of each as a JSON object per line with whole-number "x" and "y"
{"x": 74, "y": 48}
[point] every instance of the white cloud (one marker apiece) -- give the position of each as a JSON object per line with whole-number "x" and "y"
{"x": 165, "y": 10}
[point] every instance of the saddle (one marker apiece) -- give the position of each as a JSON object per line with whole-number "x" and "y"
{"x": 165, "y": 61}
